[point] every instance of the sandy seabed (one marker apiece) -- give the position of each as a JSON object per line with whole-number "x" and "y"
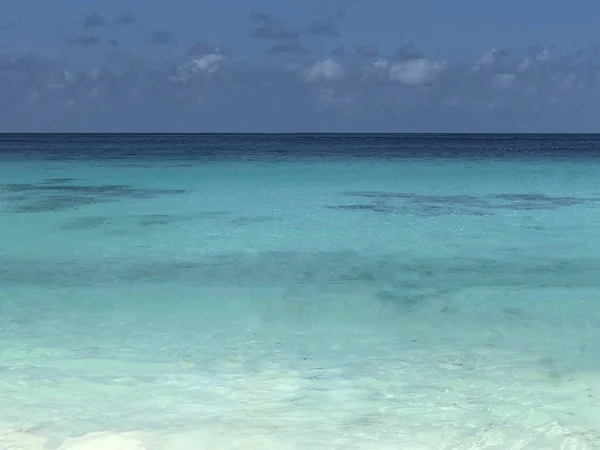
{"x": 428, "y": 386}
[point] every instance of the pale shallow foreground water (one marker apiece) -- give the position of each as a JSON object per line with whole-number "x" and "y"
{"x": 175, "y": 304}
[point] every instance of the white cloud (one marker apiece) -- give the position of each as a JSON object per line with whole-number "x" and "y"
{"x": 208, "y": 63}
{"x": 34, "y": 96}
{"x": 540, "y": 57}
{"x": 570, "y": 82}
{"x": 295, "y": 67}
{"x": 381, "y": 64}
{"x": 96, "y": 73}
{"x": 525, "y": 64}
{"x": 487, "y": 60}
{"x": 325, "y": 95}
{"x": 324, "y": 71}
{"x": 531, "y": 90}
{"x": 543, "y": 55}
{"x": 504, "y": 80}
{"x": 416, "y": 72}
{"x": 69, "y": 77}
{"x": 523, "y": 80}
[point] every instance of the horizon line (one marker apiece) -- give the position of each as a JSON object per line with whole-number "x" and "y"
{"x": 299, "y": 133}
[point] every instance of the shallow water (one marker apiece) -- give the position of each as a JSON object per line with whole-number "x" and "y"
{"x": 368, "y": 292}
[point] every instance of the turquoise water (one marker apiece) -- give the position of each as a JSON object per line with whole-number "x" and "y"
{"x": 352, "y": 292}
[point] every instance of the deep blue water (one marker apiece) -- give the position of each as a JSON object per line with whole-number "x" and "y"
{"x": 222, "y": 146}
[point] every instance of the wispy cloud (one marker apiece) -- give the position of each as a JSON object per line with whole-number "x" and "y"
{"x": 327, "y": 29}
{"x": 338, "y": 51}
{"x": 367, "y": 51}
{"x": 272, "y": 29}
{"x": 287, "y": 47}
{"x": 84, "y": 41}
{"x": 499, "y": 83}
{"x": 126, "y": 19}
{"x": 11, "y": 25}
{"x": 94, "y": 20}
{"x": 201, "y": 48}
{"x": 160, "y": 37}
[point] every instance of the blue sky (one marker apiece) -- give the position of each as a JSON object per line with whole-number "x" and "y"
{"x": 316, "y": 65}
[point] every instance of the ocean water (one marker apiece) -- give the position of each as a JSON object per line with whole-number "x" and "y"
{"x": 189, "y": 292}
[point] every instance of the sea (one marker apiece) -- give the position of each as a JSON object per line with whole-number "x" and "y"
{"x": 299, "y": 291}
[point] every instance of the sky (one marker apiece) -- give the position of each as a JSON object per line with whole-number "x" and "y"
{"x": 291, "y": 66}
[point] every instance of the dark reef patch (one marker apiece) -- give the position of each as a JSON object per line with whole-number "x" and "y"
{"x": 87, "y": 223}
{"x": 403, "y": 300}
{"x": 210, "y": 214}
{"x": 150, "y": 220}
{"x": 426, "y": 205}
{"x": 249, "y": 220}
{"x": 144, "y": 220}
{"x": 377, "y": 194}
{"x": 156, "y": 220}
{"x": 423, "y": 210}
{"x": 56, "y": 194}
{"x": 398, "y": 284}
{"x": 58, "y": 180}
{"x": 526, "y": 202}
{"x": 53, "y": 203}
